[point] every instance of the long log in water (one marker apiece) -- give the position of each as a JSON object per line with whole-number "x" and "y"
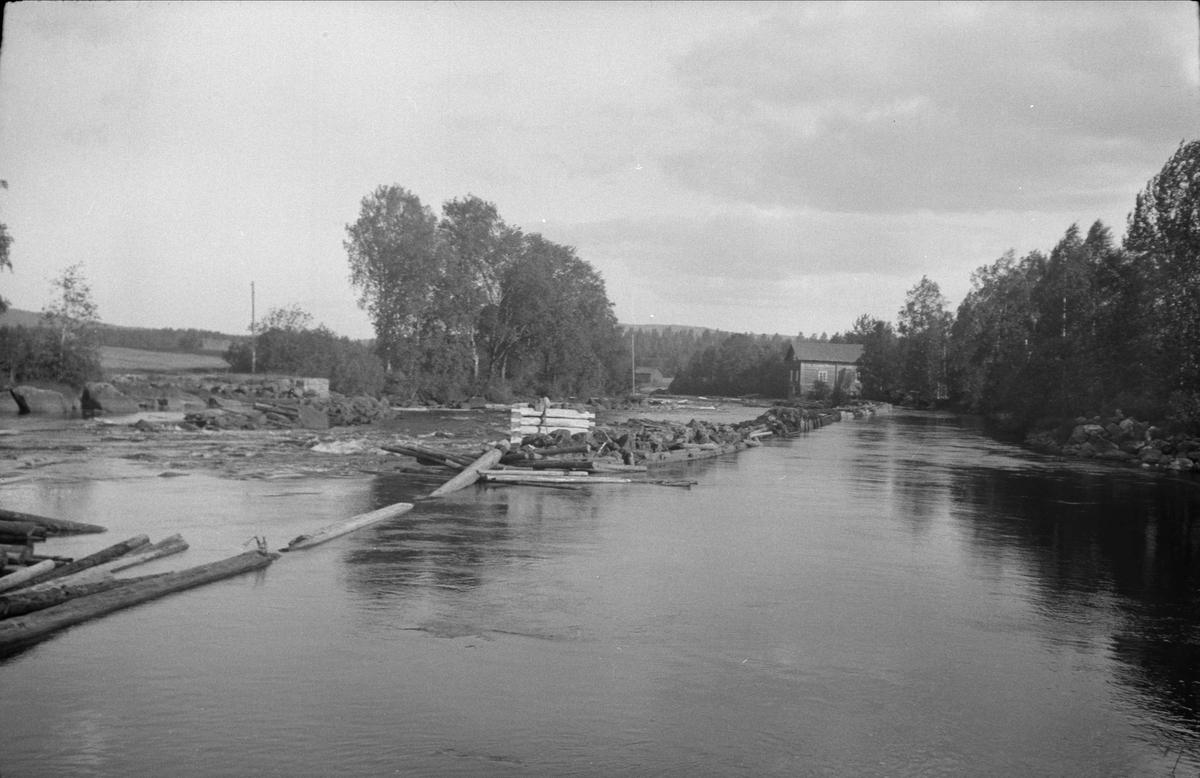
{"x": 19, "y": 603}
{"x": 21, "y": 529}
{"x": 53, "y": 526}
{"x": 35, "y": 625}
{"x": 331, "y": 531}
{"x": 536, "y": 478}
{"x": 12, "y": 580}
{"x": 470, "y": 474}
{"x": 172, "y": 545}
{"x": 91, "y": 560}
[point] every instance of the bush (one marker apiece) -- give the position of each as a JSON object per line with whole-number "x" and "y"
{"x": 38, "y": 354}
{"x": 352, "y": 368}
{"x": 819, "y": 391}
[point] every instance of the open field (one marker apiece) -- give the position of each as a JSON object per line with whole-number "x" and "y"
{"x": 118, "y": 359}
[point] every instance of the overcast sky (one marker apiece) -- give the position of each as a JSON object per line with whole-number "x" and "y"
{"x": 748, "y": 167}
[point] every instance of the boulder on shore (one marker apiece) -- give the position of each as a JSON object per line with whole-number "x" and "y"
{"x": 30, "y": 399}
{"x": 106, "y": 398}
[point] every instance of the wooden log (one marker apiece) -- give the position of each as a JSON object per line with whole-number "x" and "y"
{"x": 19, "y": 603}
{"x": 551, "y": 464}
{"x": 148, "y": 553}
{"x": 91, "y": 560}
{"x": 532, "y": 478}
{"x": 20, "y": 577}
{"x": 21, "y": 529}
{"x": 35, "y": 625}
{"x": 470, "y": 474}
{"x": 424, "y": 455}
{"x": 22, "y": 552}
{"x": 331, "y": 531}
{"x": 613, "y": 467}
{"x": 53, "y": 526}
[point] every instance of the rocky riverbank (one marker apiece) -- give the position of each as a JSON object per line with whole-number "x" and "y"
{"x": 1122, "y": 440}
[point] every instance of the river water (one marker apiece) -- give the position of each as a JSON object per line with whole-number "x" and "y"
{"x": 897, "y": 596}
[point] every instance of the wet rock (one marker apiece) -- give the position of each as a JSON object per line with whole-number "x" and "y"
{"x": 106, "y": 398}
{"x": 1150, "y": 456}
{"x": 30, "y": 399}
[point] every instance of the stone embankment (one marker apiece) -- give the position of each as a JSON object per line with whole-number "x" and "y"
{"x": 1121, "y": 439}
{"x": 245, "y": 403}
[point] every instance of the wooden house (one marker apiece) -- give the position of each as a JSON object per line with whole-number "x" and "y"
{"x": 807, "y": 362}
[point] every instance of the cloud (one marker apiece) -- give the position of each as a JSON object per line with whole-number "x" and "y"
{"x": 891, "y": 108}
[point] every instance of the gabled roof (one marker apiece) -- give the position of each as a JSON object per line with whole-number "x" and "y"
{"x": 814, "y": 351}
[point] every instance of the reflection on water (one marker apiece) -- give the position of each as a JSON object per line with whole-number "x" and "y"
{"x": 896, "y": 596}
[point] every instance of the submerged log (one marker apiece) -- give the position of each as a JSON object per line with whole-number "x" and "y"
{"x": 429, "y": 455}
{"x": 331, "y": 531}
{"x": 35, "y": 625}
{"x": 91, "y": 560}
{"x": 19, "y": 603}
{"x": 470, "y": 474}
{"x": 13, "y": 580}
{"x": 53, "y": 526}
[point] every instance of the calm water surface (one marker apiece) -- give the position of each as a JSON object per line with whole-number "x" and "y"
{"x": 898, "y": 596}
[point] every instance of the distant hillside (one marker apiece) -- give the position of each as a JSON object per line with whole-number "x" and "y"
{"x": 145, "y": 338}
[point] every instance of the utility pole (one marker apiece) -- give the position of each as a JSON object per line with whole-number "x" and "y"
{"x": 632, "y": 359}
{"x": 253, "y": 333}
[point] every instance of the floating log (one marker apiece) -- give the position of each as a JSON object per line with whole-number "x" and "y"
{"x": 331, "y": 531}
{"x": 652, "y": 459}
{"x": 13, "y": 580}
{"x": 613, "y": 467}
{"x": 172, "y": 545}
{"x": 19, "y": 603}
{"x": 53, "y": 526}
{"x": 100, "y": 557}
{"x": 35, "y": 625}
{"x": 551, "y": 464}
{"x": 22, "y": 553}
{"x": 21, "y": 529}
{"x": 425, "y": 455}
{"x": 532, "y": 478}
{"x": 470, "y": 474}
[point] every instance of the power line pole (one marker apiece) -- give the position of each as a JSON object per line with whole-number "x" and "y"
{"x": 253, "y": 333}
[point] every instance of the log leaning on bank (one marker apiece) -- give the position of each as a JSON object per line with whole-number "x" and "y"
{"x": 35, "y": 625}
{"x": 470, "y": 474}
{"x": 331, "y": 531}
{"x": 52, "y": 526}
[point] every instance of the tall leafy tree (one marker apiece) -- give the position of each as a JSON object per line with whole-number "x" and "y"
{"x": 1164, "y": 233}
{"x": 879, "y": 366}
{"x": 925, "y": 323}
{"x": 395, "y": 266}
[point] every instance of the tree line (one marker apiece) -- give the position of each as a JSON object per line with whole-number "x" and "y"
{"x": 1090, "y": 327}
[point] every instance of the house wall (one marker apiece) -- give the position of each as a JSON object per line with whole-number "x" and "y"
{"x": 802, "y": 375}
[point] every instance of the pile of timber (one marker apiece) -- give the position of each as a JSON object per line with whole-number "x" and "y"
{"x": 19, "y": 557}
{"x": 546, "y": 418}
{"x": 59, "y": 592}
